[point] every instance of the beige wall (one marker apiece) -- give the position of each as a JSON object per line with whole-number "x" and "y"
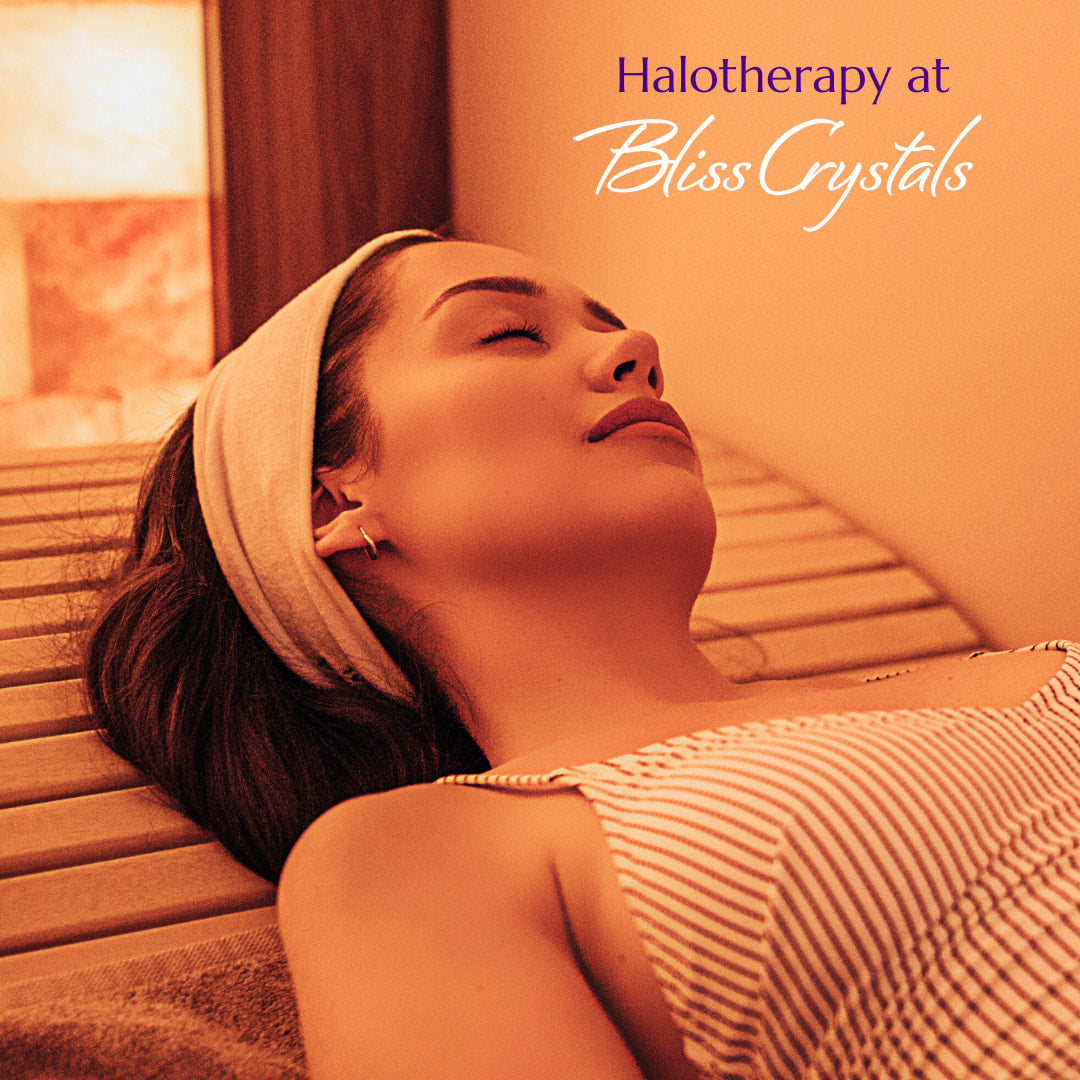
{"x": 914, "y": 359}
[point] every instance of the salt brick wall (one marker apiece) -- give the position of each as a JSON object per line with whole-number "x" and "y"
{"x": 105, "y": 301}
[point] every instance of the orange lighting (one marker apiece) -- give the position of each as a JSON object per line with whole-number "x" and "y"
{"x": 101, "y": 101}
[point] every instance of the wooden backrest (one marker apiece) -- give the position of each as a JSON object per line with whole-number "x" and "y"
{"x": 95, "y": 865}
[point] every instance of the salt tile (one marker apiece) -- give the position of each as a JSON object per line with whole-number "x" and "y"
{"x": 102, "y": 100}
{"x": 57, "y": 420}
{"x": 148, "y": 412}
{"x": 15, "y": 371}
{"x": 120, "y": 294}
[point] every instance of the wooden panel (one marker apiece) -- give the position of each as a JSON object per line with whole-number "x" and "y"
{"x": 48, "y": 613}
{"x": 793, "y": 523}
{"x": 60, "y": 766}
{"x": 788, "y": 560}
{"x": 38, "y": 659}
{"x": 46, "y": 507}
{"x": 335, "y": 133}
{"x": 812, "y": 600}
{"x": 68, "y": 832}
{"x": 54, "y": 573}
{"x": 131, "y": 893}
{"x": 843, "y": 645}
{"x": 38, "y": 709}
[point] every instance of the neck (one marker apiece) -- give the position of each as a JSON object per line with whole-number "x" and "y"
{"x": 539, "y": 666}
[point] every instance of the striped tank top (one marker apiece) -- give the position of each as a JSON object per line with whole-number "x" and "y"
{"x": 875, "y": 894}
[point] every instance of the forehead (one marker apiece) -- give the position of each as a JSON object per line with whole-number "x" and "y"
{"x": 420, "y": 274}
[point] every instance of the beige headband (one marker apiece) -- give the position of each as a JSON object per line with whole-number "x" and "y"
{"x": 254, "y": 432}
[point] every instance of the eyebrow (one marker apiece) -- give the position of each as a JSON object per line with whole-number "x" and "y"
{"x": 606, "y": 315}
{"x": 519, "y": 286}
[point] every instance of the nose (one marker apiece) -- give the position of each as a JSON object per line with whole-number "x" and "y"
{"x": 628, "y": 358}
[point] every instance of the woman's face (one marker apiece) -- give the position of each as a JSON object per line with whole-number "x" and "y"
{"x": 490, "y": 380}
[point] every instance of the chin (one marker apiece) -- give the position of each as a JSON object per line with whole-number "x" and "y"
{"x": 668, "y": 525}
{"x": 653, "y": 519}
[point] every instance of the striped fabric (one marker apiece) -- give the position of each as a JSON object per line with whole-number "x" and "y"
{"x": 882, "y": 894}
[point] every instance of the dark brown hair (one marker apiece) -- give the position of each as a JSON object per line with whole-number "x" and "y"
{"x": 182, "y": 685}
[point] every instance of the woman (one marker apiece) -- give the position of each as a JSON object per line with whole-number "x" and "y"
{"x": 817, "y": 878}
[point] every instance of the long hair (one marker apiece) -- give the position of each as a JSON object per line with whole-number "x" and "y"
{"x": 181, "y": 684}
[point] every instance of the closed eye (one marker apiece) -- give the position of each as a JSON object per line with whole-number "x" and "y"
{"x": 515, "y": 330}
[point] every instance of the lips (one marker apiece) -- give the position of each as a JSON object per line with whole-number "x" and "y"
{"x": 636, "y": 411}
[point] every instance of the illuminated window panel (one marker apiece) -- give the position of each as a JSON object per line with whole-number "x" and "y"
{"x": 104, "y": 238}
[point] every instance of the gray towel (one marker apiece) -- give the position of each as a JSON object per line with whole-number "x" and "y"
{"x": 219, "y": 1010}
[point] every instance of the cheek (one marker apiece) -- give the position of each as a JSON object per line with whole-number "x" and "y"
{"x": 492, "y": 474}
{"x": 471, "y": 415}
{"x": 465, "y": 442}
{"x": 555, "y": 512}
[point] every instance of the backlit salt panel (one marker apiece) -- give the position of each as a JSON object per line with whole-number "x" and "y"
{"x": 101, "y": 100}
{"x": 16, "y": 376}
{"x": 105, "y": 299}
{"x": 119, "y": 293}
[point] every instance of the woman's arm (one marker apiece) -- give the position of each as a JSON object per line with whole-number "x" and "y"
{"x": 426, "y": 939}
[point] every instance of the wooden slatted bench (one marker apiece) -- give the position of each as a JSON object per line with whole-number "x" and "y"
{"x": 96, "y": 868}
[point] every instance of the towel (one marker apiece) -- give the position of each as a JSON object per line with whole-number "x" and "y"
{"x": 215, "y": 1010}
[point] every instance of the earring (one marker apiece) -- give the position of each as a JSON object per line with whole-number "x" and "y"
{"x": 372, "y": 550}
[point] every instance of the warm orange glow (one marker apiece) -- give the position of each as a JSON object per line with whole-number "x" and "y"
{"x": 104, "y": 246}
{"x": 101, "y": 101}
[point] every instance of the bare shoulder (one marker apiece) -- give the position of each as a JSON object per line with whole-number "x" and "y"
{"x": 426, "y": 939}
{"x": 425, "y": 834}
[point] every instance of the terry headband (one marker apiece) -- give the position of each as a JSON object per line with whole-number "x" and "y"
{"x": 254, "y": 435}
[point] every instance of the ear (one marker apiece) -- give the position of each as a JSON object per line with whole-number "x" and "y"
{"x": 344, "y": 532}
{"x": 335, "y": 490}
{"x": 337, "y": 520}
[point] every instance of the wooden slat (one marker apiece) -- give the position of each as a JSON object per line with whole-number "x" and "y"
{"x": 59, "y": 767}
{"x": 28, "y": 539}
{"x": 874, "y": 640}
{"x": 843, "y": 645}
{"x": 68, "y": 476}
{"x": 789, "y": 560}
{"x": 81, "y": 503}
{"x": 38, "y": 659}
{"x": 50, "y": 613}
{"x": 765, "y": 495}
{"x": 46, "y": 458}
{"x": 54, "y": 573}
{"x": 768, "y": 526}
{"x": 38, "y": 709}
{"x": 794, "y": 603}
{"x": 119, "y": 895}
{"x": 118, "y": 948}
{"x": 69, "y": 832}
